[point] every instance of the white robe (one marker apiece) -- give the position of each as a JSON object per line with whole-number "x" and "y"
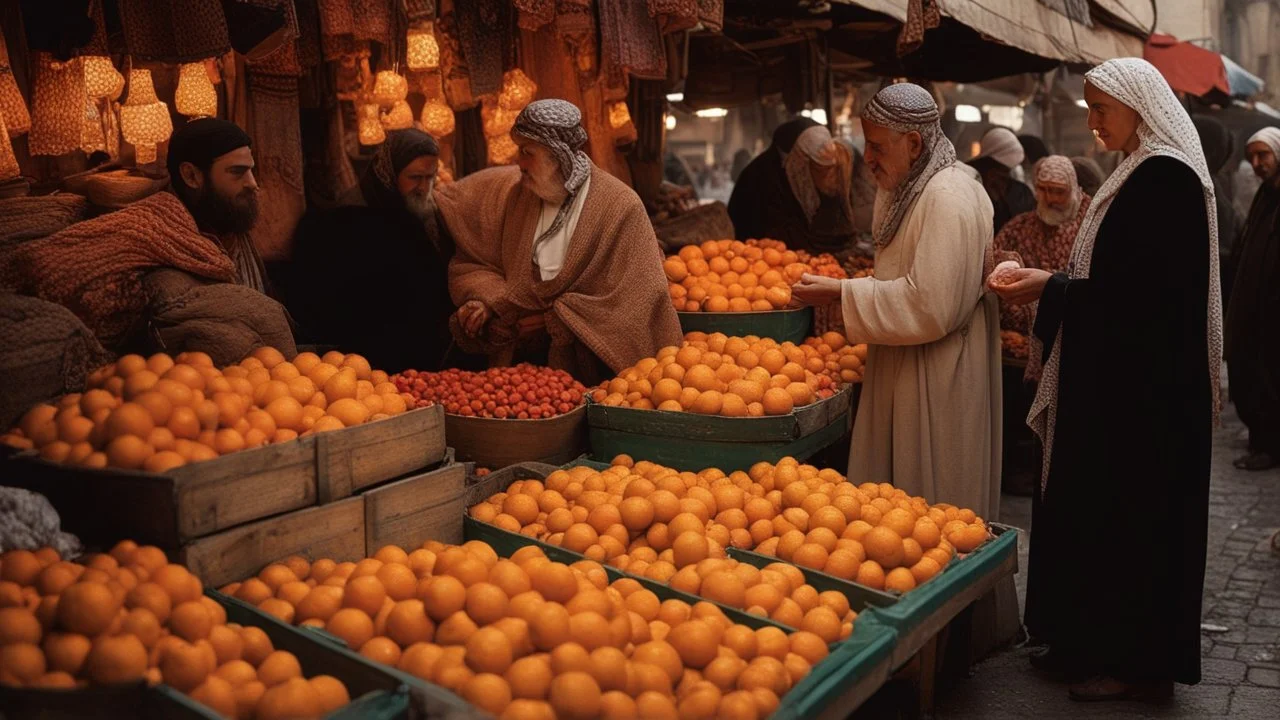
{"x": 929, "y": 420}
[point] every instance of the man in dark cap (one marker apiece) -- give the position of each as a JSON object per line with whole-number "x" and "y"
{"x": 388, "y": 218}
{"x": 763, "y": 183}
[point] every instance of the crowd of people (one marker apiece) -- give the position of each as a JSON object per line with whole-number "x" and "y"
{"x": 553, "y": 260}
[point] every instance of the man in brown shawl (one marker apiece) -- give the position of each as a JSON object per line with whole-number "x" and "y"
{"x": 555, "y": 242}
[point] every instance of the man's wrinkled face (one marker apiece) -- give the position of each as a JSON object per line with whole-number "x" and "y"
{"x": 890, "y": 154}
{"x": 415, "y": 183}
{"x": 539, "y": 170}
{"x": 224, "y": 199}
{"x": 1056, "y": 203}
{"x": 1263, "y": 160}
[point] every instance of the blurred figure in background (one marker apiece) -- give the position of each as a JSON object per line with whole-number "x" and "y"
{"x": 762, "y": 179}
{"x": 1089, "y": 175}
{"x": 1219, "y": 146}
{"x": 1000, "y": 154}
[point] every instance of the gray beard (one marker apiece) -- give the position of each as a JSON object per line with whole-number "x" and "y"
{"x": 1054, "y": 218}
{"x": 422, "y": 206}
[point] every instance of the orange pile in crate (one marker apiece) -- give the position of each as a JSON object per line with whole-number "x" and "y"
{"x": 521, "y": 392}
{"x": 842, "y": 362}
{"x": 527, "y": 637}
{"x": 824, "y": 264}
{"x": 159, "y": 413}
{"x": 1014, "y": 344}
{"x": 656, "y": 521}
{"x": 733, "y": 276}
{"x": 131, "y": 615}
{"x": 857, "y": 266}
{"x": 719, "y": 375}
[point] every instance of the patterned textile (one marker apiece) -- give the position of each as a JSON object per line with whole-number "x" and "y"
{"x": 378, "y": 185}
{"x": 630, "y": 42}
{"x": 711, "y": 13}
{"x": 56, "y": 123}
{"x": 174, "y": 30}
{"x": 674, "y": 15}
{"x": 558, "y": 125}
{"x": 1056, "y": 169}
{"x": 908, "y": 108}
{"x": 815, "y": 146}
{"x": 1165, "y": 130}
{"x": 1270, "y": 136}
{"x": 922, "y": 15}
{"x": 344, "y": 24}
{"x": 535, "y": 14}
{"x": 416, "y": 10}
{"x": 1001, "y": 145}
{"x": 482, "y": 33}
{"x": 277, "y": 141}
{"x": 284, "y": 59}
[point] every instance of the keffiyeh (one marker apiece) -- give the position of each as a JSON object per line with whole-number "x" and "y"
{"x": 1269, "y": 136}
{"x": 1166, "y": 130}
{"x": 814, "y": 145}
{"x": 908, "y": 108}
{"x": 557, "y": 124}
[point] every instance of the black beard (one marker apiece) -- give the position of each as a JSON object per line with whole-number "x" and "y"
{"x": 222, "y": 216}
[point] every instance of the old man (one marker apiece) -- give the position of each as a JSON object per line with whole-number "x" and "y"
{"x": 555, "y": 243}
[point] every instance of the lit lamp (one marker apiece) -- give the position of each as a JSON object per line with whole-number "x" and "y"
{"x": 423, "y": 50}
{"x": 437, "y": 118}
{"x": 195, "y": 96}
{"x": 144, "y": 119}
{"x": 369, "y": 126}
{"x": 502, "y": 150}
{"x": 8, "y": 163}
{"x": 497, "y": 119}
{"x": 400, "y": 116}
{"x": 620, "y": 120}
{"x": 13, "y": 109}
{"x": 57, "y": 103}
{"x": 91, "y": 137}
{"x": 388, "y": 87}
{"x": 517, "y": 90}
{"x": 101, "y": 79}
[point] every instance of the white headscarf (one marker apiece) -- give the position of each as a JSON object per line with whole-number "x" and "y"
{"x": 814, "y": 145}
{"x": 1001, "y": 145}
{"x": 1165, "y": 130}
{"x": 1270, "y": 136}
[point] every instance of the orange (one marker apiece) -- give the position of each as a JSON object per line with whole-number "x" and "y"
{"x": 407, "y": 623}
{"x": 442, "y": 596}
{"x": 278, "y": 667}
{"x": 184, "y": 666}
{"x": 364, "y": 593}
{"x": 777, "y": 401}
{"x": 487, "y": 691}
{"x": 555, "y": 582}
{"x": 661, "y": 654}
{"x": 22, "y": 662}
{"x": 341, "y": 385}
{"x": 257, "y": 646}
{"x": 87, "y": 608}
{"x": 352, "y": 626}
{"x": 884, "y": 546}
{"x": 66, "y": 652}
{"x": 900, "y": 579}
{"x": 489, "y": 651}
{"x": 726, "y": 588}
{"x": 696, "y": 643}
{"x": 349, "y": 411}
{"x": 529, "y": 677}
{"x": 575, "y": 695}
{"x": 217, "y": 694}
{"x": 382, "y": 650}
{"x": 398, "y": 580}
{"x": 191, "y": 621}
{"x": 486, "y": 603}
{"x": 871, "y": 574}
{"x": 19, "y": 625}
{"x": 291, "y": 698}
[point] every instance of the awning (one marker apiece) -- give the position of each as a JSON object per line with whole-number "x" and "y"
{"x": 1034, "y": 27}
{"x": 1243, "y": 83}
{"x": 1188, "y": 68}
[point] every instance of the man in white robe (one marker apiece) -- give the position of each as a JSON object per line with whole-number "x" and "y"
{"x": 929, "y": 419}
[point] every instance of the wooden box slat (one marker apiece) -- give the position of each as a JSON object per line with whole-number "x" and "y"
{"x": 356, "y": 458}
{"x": 554, "y": 440}
{"x": 409, "y": 512}
{"x": 245, "y": 486}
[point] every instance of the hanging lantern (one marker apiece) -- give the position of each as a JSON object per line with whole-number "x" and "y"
{"x": 517, "y": 90}
{"x": 8, "y": 163}
{"x": 57, "y": 102}
{"x": 502, "y": 150}
{"x": 388, "y": 87}
{"x": 91, "y": 138}
{"x": 369, "y": 126}
{"x": 437, "y": 118}
{"x": 12, "y": 107}
{"x": 497, "y": 120}
{"x": 144, "y": 119}
{"x": 400, "y": 117}
{"x": 619, "y": 115}
{"x": 101, "y": 79}
{"x": 195, "y": 96}
{"x": 423, "y": 51}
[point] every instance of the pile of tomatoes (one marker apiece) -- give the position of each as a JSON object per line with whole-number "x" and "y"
{"x": 522, "y": 392}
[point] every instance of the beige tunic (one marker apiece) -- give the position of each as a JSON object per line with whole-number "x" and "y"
{"x": 929, "y": 418}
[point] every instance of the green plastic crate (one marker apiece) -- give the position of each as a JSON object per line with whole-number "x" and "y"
{"x": 870, "y": 644}
{"x": 780, "y": 325}
{"x": 860, "y": 596}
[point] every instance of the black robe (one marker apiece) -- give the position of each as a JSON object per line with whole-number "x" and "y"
{"x": 1253, "y": 323}
{"x": 1118, "y": 544}
{"x": 764, "y": 206}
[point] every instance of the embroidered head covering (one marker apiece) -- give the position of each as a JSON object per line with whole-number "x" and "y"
{"x": 1165, "y": 130}
{"x": 1269, "y": 136}
{"x": 1057, "y": 169}
{"x": 908, "y": 108}
{"x": 378, "y": 184}
{"x": 557, "y": 124}
{"x": 813, "y": 146}
{"x": 1001, "y": 145}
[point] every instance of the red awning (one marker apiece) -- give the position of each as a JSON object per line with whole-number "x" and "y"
{"x": 1188, "y": 68}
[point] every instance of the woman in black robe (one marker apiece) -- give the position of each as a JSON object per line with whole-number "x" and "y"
{"x": 371, "y": 276}
{"x": 764, "y": 181}
{"x": 1127, "y": 404}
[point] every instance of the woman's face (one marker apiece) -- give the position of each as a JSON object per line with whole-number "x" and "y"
{"x": 1113, "y": 122}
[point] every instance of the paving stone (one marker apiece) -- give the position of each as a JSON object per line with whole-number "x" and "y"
{"x": 1269, "y": 617}
{"x": 1253, "y": 702}
{"x": 1244, "y": 585}
{"x": 1266, "y": 677}
{"x": 1216, "y": 671}
{"x": 1247, "y": 574}
{"x": 1221, "y": 651}
{"x": 1255, "y": 654}
{"x": 1269, "y": 601}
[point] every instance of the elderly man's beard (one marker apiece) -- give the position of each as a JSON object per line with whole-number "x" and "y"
{"x": 422, "y": 204}
{"x": 225, "y": 216}
{"x": 1054, "y": 217}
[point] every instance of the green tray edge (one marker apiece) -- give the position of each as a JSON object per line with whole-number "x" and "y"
{"x": 860, "y": 595}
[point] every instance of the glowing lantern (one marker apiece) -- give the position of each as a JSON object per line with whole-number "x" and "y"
{"x": 13, "y": 109}
{"x": 502, "y": 150}
{"x": 517, "y": 90}
{"x": 423, "y": 50}
{"x": 369, "y": 125}
{"x": 399, "y": 118}
{"x": 8, "y": 163}
{"x": 144, "y": 119}
{"x": 619, "y": 115}
{"x": 497, "y": 119}
{"x": 101, "y": 79}
{"x": 91, "y": 137}
{"x": 388, "y": 87}
{"x": 437, "y": 118}
{"x": 195, "y": 96}
{"x": 57, "y": 102}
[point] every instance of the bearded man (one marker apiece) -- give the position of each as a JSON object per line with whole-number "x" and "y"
{"x": 388, "y": 218}
{"x": 1252, "y": 343}
{"x": 929, "y": 417}
{"x": 556, "y": 259}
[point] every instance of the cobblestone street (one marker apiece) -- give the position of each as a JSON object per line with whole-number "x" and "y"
{"x": 1240, "y": 642}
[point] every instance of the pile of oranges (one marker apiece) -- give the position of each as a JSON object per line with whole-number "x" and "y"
{"x": 1014, "y": 344}
{"x": 733, "y": 276}
{"x": 824, "y": 264}
{"x": 130, "y": 615}
{"x": 857, "y": 266}
{"x": 657, "y": 522}
{"x": 719, "y": 375}
{"x": 842, "y": 362}
{"x": 160, "y": 413}
{"x": 526, "y": 637}
{"x": 521, "y": 392}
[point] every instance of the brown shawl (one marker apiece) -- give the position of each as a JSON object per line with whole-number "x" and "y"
{"x": 94, "y": 268}
{"x": 611, "y": 292}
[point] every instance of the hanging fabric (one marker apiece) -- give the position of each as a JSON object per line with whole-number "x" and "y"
{"x": 630, "y": 42}
{"x": 483, "y": 33}
{"x": 174, "y": 30}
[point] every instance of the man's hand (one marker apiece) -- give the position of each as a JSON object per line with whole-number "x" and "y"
{"x": 1000, "y": 275}
{"x": 815, "y": 290}
{"x": 1021, "y": 286}
{"x": 472, "y": 316}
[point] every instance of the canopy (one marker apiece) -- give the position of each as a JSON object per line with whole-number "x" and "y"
{"x": 1040, "y": 30}
{"x": 1243, "y": 83}
{"x": 1188, "y": 68}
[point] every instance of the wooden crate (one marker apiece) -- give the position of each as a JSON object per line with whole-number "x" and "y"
{"x": 336, "y": 530}
{"x": 554, "y": 440}
{"x": 349, "y": 460}
{"x": 409, "y": 512}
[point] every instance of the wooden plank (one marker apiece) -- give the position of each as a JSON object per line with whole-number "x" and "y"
{"x": 554, "y": 440}
{"x": 409, "y": 512}
{"x": 335, "y": 531}
{"x": 365, "y": 455}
